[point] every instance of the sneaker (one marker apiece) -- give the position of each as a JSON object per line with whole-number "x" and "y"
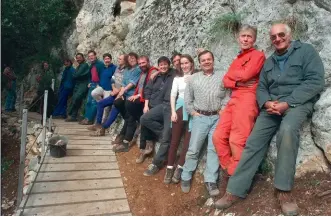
{"x": 226, "y": 201}
{"x": 212, "y": 189}
{"x": 119, "y": 138}
{"x": 177, "y": 174}
{"x": 168, "y": 175}
{"x": 185, "y": 186}
{"x": 287, "y": 203}
{"x": 149, "y": 147}
{"x": 94, "y": 127}
{"x": 151, "y": 170}
{"x": 141, "y": 158}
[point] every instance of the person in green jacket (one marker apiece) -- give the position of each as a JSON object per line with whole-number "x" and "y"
{"x": 290, "y": 83}
{"x": 44, "y": 80}
{"x": 81, "y": 78}
{"x": 95, "y": 70}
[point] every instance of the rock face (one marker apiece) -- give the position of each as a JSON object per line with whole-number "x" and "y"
{"x": 156, "y": 28}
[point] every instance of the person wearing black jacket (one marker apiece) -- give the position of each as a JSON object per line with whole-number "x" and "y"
{"x": 156, "y": 121}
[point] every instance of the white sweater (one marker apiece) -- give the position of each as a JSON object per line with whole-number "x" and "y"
{"x": 178, "y": 86}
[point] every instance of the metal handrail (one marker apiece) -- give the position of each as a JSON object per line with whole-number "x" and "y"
{"x": 20, "y": 200}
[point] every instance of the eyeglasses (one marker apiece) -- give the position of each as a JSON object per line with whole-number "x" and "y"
{"x": 280, "y": 35}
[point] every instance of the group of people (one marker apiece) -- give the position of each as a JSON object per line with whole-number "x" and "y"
{"x": 174, "y": 99}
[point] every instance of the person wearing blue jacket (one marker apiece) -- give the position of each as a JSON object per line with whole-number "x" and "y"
{"x": 131, "y": 76}
{"x": 91, "y": 105}
{"x": 65, "y": 90}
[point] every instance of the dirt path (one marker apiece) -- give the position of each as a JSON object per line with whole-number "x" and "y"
{"x": 149, "y": 196}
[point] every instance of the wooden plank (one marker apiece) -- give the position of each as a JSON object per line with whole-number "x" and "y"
{"x": 42, "y": 187}
{"x": 115, "y": 207}
{"x": 87, "y": 137}
{"x": 75, "y": 197}
{"x": 54, "y": 176}
{"x": 89, "y": 142}
{"x": 77, "y": 152}
{"x": 71, "y": 159}
{"x": 78, "y": 166}
{"x": 90, "y": 146}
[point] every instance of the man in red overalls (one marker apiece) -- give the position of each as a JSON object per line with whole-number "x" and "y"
{"x": 240, "y": 113}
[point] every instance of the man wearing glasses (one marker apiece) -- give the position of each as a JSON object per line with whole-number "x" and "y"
{"x": 290, "y": 83}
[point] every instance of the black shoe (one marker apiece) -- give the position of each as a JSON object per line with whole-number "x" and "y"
{"x": 151, "y": 170}
{"x": 186, "y": 186}
{"x": 71, "y": 120}
{"x": 212, "y": 189}
{"x": 177, "y": 175}
{"x": 168, "y": 175}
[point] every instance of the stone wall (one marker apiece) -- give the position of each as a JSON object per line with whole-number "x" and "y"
{"x": 158, "y": 28}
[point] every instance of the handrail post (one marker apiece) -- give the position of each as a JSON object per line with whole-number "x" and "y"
{"x": 21, "y": 100}
{"x": 22, "y": 156}
{"x": 44, "y": 123}
{"x": 51, "y": 117}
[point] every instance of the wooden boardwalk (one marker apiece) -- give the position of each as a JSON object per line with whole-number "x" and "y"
{"x": 85, "y": 182}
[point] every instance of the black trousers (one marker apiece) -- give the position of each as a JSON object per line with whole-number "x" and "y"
{"x": 134, "y": 110}
{"x": 157, "y": 121}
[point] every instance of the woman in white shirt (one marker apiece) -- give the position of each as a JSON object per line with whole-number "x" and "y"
{"x": 179, "y": 119}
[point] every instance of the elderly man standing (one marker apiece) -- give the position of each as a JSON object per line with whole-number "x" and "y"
{"x": 290, "y": 83}
{"x": 203, "y": 96}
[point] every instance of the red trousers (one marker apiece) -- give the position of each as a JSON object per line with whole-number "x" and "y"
{"x": 233, "y": 129}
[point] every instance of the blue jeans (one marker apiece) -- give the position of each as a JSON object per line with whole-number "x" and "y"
{"x": 91, "y": 104}
{"x": 61, "y": 107}
{"x": 202, "y": 127}
{"x": 102, "y": 104}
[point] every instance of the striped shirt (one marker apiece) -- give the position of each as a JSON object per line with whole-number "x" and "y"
{"x": 204, "y": 92}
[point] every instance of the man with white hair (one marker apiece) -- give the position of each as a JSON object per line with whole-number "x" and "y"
{"x": 290, "y": 83}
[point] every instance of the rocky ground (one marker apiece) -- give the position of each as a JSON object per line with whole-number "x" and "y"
{"x": 10, "y": 158}
{"x": 149, "y": 196}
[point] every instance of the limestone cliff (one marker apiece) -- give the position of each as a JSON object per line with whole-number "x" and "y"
{"x": 158, "y": 28}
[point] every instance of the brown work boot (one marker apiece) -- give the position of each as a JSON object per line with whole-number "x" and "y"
{"x": 141, "y": 158}
{"x": 99, "y": 132}
{"x": 226, "y": 201}
{"x": 94, "y": 127}
{"x": 287, "y": 203}
{"x": 119, "y": 138}
{"x": 149, "y": 147}
{"x": 223, "y": 181}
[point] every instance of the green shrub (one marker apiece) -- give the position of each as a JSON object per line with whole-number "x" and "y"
{"x": 225, "y": 25}
{"x": 30, "y": 28}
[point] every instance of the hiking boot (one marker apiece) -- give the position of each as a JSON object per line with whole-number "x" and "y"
{"x": 122, "y": 147}
{"x": 287, "y": 203}
{"x": 212, "y": 189}
{"x": 149, "y": 147}
{"x": 119, "y": 138}
{"x": 151, "y": 170}
{"x": 168, "y": 175}
{"x": 223, "y": 181}
{"x": 94, "y": 127}
{"x": 185, "y": 186}
{"x": 85, "y": 122}
{"x": 177, "y": 174}
{"x": 141, "y": 158}
{"x": 99, "y": 132}
{"x": 226, "y": 201}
